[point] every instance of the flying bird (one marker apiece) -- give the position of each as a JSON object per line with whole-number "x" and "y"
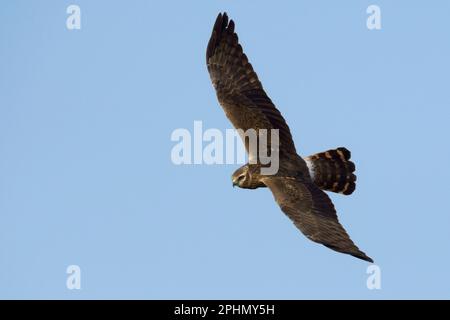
{"x": 299, "y": 184}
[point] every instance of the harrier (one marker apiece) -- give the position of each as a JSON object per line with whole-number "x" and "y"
{"x": 299, "y": 183}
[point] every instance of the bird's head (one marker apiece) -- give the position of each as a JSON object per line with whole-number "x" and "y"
{"x": 246, "y": 177}
{"x": 241, "y": 177}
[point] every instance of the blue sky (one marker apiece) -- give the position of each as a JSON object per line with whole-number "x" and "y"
{"x": 86, "y": 176}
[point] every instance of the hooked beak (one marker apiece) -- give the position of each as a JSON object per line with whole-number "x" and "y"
{"x": 235, "y": 183}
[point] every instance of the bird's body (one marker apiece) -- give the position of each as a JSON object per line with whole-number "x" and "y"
{"x": 297, "y": 185}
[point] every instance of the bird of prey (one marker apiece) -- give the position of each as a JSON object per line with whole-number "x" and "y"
{"x": 299, "y": 182}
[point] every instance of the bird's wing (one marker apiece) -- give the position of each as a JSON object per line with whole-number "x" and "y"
{"x": 313, "y": 213}
{"x": 238, "y": 89}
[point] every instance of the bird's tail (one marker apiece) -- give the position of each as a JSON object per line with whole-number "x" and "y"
{"x": 332, "y": 170}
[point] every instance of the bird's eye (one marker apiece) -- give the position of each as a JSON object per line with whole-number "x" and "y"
{"x": 241, "y": 178}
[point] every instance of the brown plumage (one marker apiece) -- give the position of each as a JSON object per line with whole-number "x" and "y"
{"x": 333, "y": 170}
{"x": 297, "y": 184}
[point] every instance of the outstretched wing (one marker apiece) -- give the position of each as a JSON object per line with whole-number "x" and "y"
{"x": 313, "y": 213}
{"x": 239, "y": 91}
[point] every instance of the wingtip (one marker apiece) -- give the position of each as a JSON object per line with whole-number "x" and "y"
{"x": 355, "y": 252}
{"x": 363, "y": 256}
{"x": 219, "y": 22}
{"x": 223, "y": 25}
{"x": 223, "y": 22}
{"x": 231, "y": 26}
{"x": 225, "y": 15}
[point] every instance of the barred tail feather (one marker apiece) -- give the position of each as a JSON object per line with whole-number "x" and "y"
{"x": 332, "y": 170}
